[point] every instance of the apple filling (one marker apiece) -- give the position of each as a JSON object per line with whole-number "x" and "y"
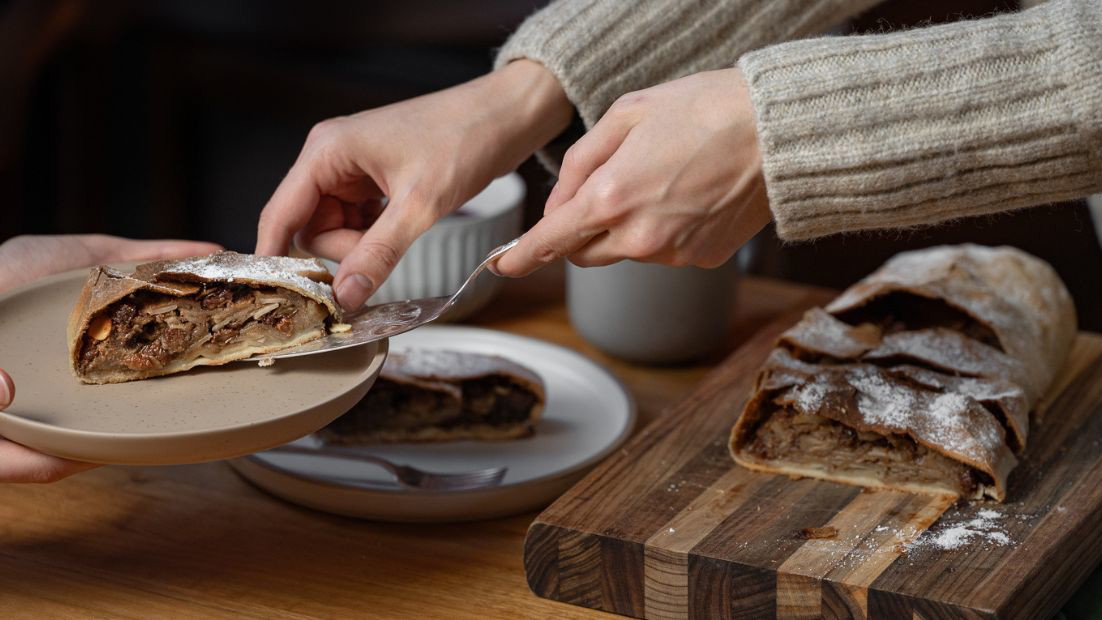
{"x": 827, "y": 448}
{"x": 149, "y": 332}
{"x": 489, "y": 407}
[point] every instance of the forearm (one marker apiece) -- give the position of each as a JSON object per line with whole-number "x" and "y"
{"x": 918, "y": 127}
{"x": 601, "y": 49}
{"x": 525, "y": 109}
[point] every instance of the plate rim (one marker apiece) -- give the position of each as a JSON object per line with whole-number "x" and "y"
{"x": 630, "y": 421}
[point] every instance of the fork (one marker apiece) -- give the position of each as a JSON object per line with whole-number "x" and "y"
{"x": 385, "y": 320}
{"x": 407, "y": 475}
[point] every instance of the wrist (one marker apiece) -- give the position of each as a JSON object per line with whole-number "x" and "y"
{"x": 528, "y": 106}
{"x": 540, "y": 98}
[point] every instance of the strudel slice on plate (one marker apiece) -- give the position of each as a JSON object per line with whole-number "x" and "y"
{"x": 169, "y": 316}
{"x": 440, "y": 395}
{"x": 921, "y": 377}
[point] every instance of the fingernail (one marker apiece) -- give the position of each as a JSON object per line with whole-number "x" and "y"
{"x": 493, "y": 265}
{"x": 5, "y": 391}
{"x": 353, "y": 291}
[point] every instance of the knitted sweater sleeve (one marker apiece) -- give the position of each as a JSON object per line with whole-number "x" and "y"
{"x": 918, "y": 127}
{"x": 601, "y": 49}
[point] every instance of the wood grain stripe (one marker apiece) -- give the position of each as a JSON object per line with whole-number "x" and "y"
{"x": 915, "y": 514}
{"x": 579, "y": 562}
{"x": 666, "y": 563}
{"x": 872, "y": 530}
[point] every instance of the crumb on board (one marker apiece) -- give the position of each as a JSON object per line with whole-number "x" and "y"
{"x": 819, "y": 533}
{"x": 265, "y": 362}
{"x": 339, "y": 328}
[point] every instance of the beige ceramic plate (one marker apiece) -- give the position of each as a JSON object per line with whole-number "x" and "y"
{"x": 202, "y": 415}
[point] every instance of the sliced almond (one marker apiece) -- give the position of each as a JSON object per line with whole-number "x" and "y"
{"x": 237, "y": 317}
{"x": 220, "y": 324}
{"x": 100, "y": 327}
{"x": 161, "y": 309}
{"x": 264, "y": 310}
{"x": 269, "y": 300}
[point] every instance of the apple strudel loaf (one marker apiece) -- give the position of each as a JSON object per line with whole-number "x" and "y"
{"x": 921, "y": 377}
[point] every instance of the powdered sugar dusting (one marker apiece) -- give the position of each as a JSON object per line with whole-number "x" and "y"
{"x": 282, "y": 270}
{"x": 882, "y": 402}
{"x": 945, "y": 348}
{"x": 956, "y": 423}
{"x": 984, "y": 528}
{"x": 820, "y": 332}
{"x": 446, "y": 364}
{"x": 809, "y": 396}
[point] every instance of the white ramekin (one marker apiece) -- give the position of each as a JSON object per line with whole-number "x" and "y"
{"x": 442, "y": 258}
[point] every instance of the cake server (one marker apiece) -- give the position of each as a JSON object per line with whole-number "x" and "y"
{"x": 373, "y": 323}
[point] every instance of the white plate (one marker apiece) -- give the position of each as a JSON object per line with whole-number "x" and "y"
{"x": 588, "y": 414}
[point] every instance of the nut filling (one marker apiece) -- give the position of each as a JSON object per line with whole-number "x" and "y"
{"x": 149, "y": 331}
{"x": 819, "y": 443}
{"x": 393, "y": 410}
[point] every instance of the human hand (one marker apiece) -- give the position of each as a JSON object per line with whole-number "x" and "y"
{"x": 29, "y": 257}
{"x": 670, "y": 174}
{"x": 20, "y": 463}
{"x": 427, "y": 156}
{"x": 26, "y": 258}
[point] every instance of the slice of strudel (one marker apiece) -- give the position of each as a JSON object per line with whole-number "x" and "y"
{"x": 168, "y": 316}
{"x": 441, "y": 395}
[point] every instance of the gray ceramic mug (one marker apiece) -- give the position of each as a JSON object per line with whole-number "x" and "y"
{"x": 652, "y": 313}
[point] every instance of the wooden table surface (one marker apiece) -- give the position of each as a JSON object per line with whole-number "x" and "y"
{"x": 198, "y": 541}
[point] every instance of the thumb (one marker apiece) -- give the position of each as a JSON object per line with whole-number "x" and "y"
{"x": 158, "y": 249}
{"x": 109, "y": 249}
{"x": 559, "y": 233}
{"x": 377, "y": 253}
{"x": 7, "y": 390}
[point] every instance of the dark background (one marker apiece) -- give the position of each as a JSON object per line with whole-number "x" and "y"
{"x": 177, "y": 118}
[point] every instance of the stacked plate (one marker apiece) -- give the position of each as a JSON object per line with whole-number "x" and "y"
{"x": 235, "y": 410}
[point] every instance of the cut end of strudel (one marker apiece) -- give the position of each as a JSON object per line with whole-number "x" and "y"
{"x": 920, "y": 378}
{"x": 437, "y": 395}
{"x": 169, "y": 316}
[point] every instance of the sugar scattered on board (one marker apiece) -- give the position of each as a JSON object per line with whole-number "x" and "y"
{"x": 983, "y": 528}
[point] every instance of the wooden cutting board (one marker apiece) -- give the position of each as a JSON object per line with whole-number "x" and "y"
{"x": 671, "y": 528}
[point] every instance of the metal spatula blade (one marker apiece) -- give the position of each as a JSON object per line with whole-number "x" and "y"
{"x": 385, "y": 320}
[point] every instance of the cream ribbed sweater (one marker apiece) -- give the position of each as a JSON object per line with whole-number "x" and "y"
{"x": 861, "y": 132}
